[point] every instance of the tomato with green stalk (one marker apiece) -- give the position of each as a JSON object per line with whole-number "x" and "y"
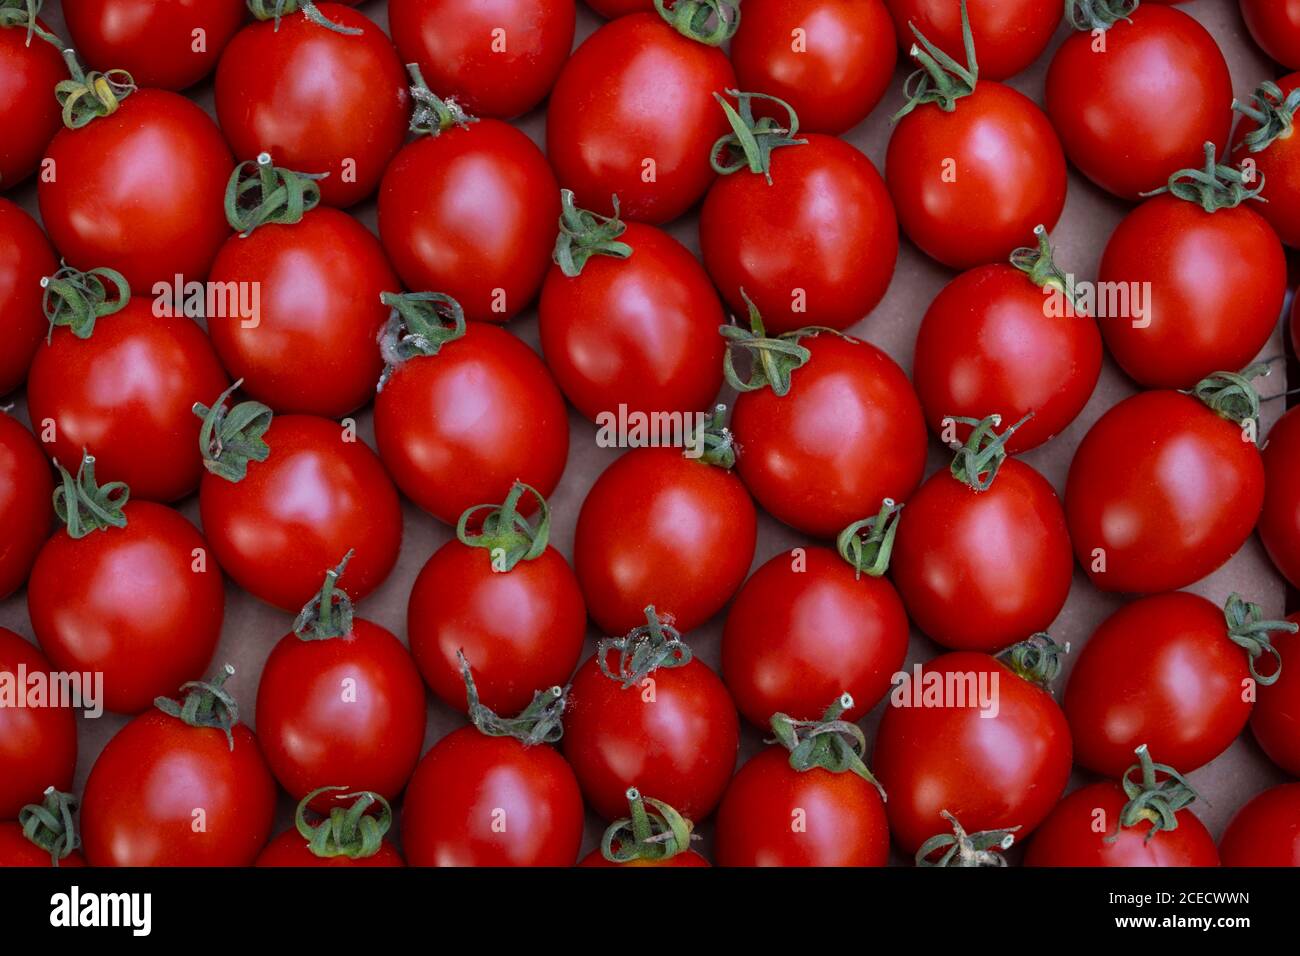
{"x": 344, "y": 838}
{"x": 44, "y": 835}
{"x": 1272, "y": 147}
{"x": 653, "y": 834}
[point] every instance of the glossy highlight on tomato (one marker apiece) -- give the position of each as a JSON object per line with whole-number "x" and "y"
{"x": 29, "y": 113}
{"x": 25, "y": 259}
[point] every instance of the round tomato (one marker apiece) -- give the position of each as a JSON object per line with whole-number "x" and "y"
{"x": 1272, "y": 146}
{"x": 629, "y": 318}
{"x": 498, "y": 58}
{"x": 1266, "y": 831}
{"x": 30, "y": 66}
{"x": 25, "y": 489}
{"x": 1275, "y": 26}
{"x": 25, "y": 259}
{"x": 633, "y": 114}
{"x": 38, "y": 745}
{"x": 1135, "y": 96}
{"x": 319, "y": 99}
{"x": 45, "y": 834}
{"x": 1163, "y": 489}
{"x": 831, "y": 60}
{"x": 464, "y": 412}
{"x": 654, "y": 836}
{"x": 1009, "y": 34}
{"x": 350, "y": 837}
{"x": 644, "y": 713}
{"x": 171, "y": 768}
{"x": 1275, "y": 719}
{"x": 1279, "y": 521}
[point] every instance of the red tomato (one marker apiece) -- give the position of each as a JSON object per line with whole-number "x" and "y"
{"x": 1009, "y": 34}
{"x": 160, "y": 777}
{"x": 633, "y": 115}
{"x": 1275, "y": 26}
{"x": 618, "y": 8}
{"x": 660, "y": 528}
{"x": 17, "y": 850}
{"x": 1279, "y": 521}
{"x": 25, "y": 259}
{"x": 1266, "y": 831}
{"x": 170, "y": 44}
{"x": 29, "y": 113}
{"x": 318, "y": 100}
{"x": 44, "y": 835}
{"x": 1275, "y": 720}
{"x": 38, "y": 744}
{"x": 833, "y": 71}
{"x": 25, "y": 489}
{"x": 969, "y": 735}
{"x": 1161, "y": 492}
{"x": 1272, "y": 146}
{"x": 290, "y": 849}
{"x": 653, "y": 836}
{"x": 1139, "y": 100}
{"x": 637, "y": 325}
{"x": 499, "y": 58}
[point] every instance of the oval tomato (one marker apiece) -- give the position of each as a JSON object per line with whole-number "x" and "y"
{"x": 44, "y": 835}
{"x": 25, "y": 489}
{"x": 653, "y": 836}
{"x": 1273, "y": 147}
{"x": 1266, "y": 831}
{"x": 344, "y": 838}
{"x": 1275, "y": 719}
{"x": 1279, "y": 521}
{"x": 30, "y": 66}
{"x": 1275, "y": 26}
{"x": 1009, "y": 34}
{"x": 38, "y": 745}
{"x": 25, "y": 259}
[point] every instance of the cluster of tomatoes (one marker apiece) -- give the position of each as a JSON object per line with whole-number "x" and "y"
{"x": 154, "y": 214}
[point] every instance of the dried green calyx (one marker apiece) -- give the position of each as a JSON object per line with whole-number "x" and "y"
{"x": 830, "y": 743}
{"x": 984, "y": 848}
{"x": 84, "y": 506}
{"x": 351, "y": 832}
{"x": 1157, "y": 801}
{"x": 774, "y": 359}
{"x": 77, "y": 300}
{"x": 1248, "y": 629}
{"x": 87, "y": 96}
{"x": 539, "y": 723}
{"x": 278, "y": 9}
{"x": 329, "y": 613}
{"x": 259, "y": 193}
{"x": 941, "y": 80}
{"x": 50, "y": 826}
{"x": 205, "y": 704}
{"x": 655, "y": 832}
{"x": 231, "y": 438}
{"x": 584, "y": 234}
{"x": 751, "y": 141}
{"x": 643, "y": 650}
{"x": 507, "y": 535}
{"x": 711, "y": 22}
{"x": 867, "y": 544}
{"x": 1214, "y": 186}
{"x": 976, "y": 463}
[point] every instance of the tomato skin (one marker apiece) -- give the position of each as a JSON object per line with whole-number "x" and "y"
{"x": 1266, "y": 831}
{"x": 29, "y": 112}
{"x": 1161, "y": 526}
{"x": 1275, "y": 26}
{"x": 467, "y": 782}
{"x": 618, "y": 8}
{"x": 795, "y": 639}
{"x": 269, "y": 96}
{"x": 25, "y": 489}
{"x": 142, "y": 792}
{"x": 17, "y": 850}
{"x": 126, "y": 395}
{"x": 688, "y": 858}
{"x": 825, "y": 225}
{"x": 990, "y": 772}
{"x": 1279, "y": 522}
{"x": 471, "y": 213}
{"x": 83, "y": 598}
{"x": 1009, "y": 36}
{"x": 290, "y": 849}
{"x": 314, "y": 349}
{"x": 1279, "y": 167}
{"x": 1067, "y": 837}
{"x": 640, "y": 332}
{"x": 979, "y": 571}
{"x": 682, "y": 744}
{"x": 38, "y": 745}
{"x": 25, "y": 259}
{"x": 985, "y": 347}
{"x": 295, "y": 515}
{"x": 521, "y": 630}
{"x": 151, "y": 40}
{"x": 453, "y": 44}
{"x": 840, "y": 74}
{"x": 849, "y": 434}
{"x": 1010, "y": 176}
{"x": 1129, "y": 117}
{"x": 606, "y": 118}
{"x": 1275, "y": 719}
{"x": 845, "y": 817}
{"x": 447, "y": 461}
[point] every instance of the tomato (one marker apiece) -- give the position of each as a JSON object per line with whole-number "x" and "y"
{"x": 170, "y": 44}
{"x": 1275, "y": 26}
{"x": 660, "y": 721}
{"x": 164, "y": 773}
{"x": 833, "y": 438}
{"x": 628, "y": 317}
{"x": 970, "y": 735}
{"x": 1272, "y": 147}
{"x": 633, "y": 115}
{"x": 45, "y": 834}
{"x": 1266, "y": 831}
{"x": 660, "y": 528}
{"x": 85, "y": 593}
{"x": 309, "y": 492}
{"x": 25, "y": 259}
{"x": 1275, "y": 719}
{"x": 498, "y": 58}
{"x": 811, "y": 241}
{"x": 30, "y": 66}
{"x": 832, "y": 72}
{"x": 350, "y": 837}
{"x": 1005, "y": 340}
{"x": 1009, "y": 35}
{"x": 653, "y": 836}
{"x": 506, "y": 599}
{"x": 1279, "y": 521}
{"x": 618, "y": 8}
{"x": 1136, "y": 98}
{"x": 319, "y": 100}
{"x": 1162, "y": 491}
{"x": 1168, "y": 672}
{"x": 38, "y": 744}
{"x": 25, "y": 489}
{"x": 466, "y": 412}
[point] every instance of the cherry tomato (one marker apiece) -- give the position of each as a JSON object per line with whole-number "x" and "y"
{"x": 1009, "y": 35}
{"x": 1275, "y": 719}
{"x": 38, "y": 745}
{"x": 1139, "y": 101}
{"x": 655, "y": 835}
{"x": 318, "y": 100}
{"x": 25, "y": 489}
{"x": 44, "y": 834}
{"x": 1271, "y": 146}
{"x": 25, "y": 259}
{"x": 29, "y": 113}
{"x": 17, "y": 850}
{"x": 498, "y": 58}
{"x": 1279, "y": 522}
{"x": 633, "y": 114}
{"x": 1275, "y": 26}
{"x": 1266, "y": 831}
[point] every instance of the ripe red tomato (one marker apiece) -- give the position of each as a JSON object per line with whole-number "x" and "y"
{"x": 30, "y": 66}
{"x": 38, "y": 745}
{"x": 167, "y": 792}
{"x": 1275, "y": 26}
{"x": 498, "y": 58}
{"x": 1141, "y": 524}
{"x": 633, "y": 115}
{"x": 831, "y": 60}
{"x": 1009, "y": 35}
{"x": 1279, "y": 521}
{"x": 660, "y": 528}
{"x": 1139, "y": 100}
{"x": 25, "y": 259}
{"x": 653, "y": 836}
{"x": 1273, "y": 148}
{"x": 344, "y": 838}
{"x": 312, "y": 493}
{"x": 1275, "y": 719}
{"x": 991, "y": 344}
{"x": 170, "y": 44}
{"x": 970, "y": 735}
{"x": 1266, "y": 831}
{"x": 663, "y": 724}
{"x": 618, "y": 8}
{"x": 467, "y": 413}
{"x": 44, "y": 834}
{"x": 319, "y": 101}
{"x": 25, "y": 489}
{"x": 629, "y": 318}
